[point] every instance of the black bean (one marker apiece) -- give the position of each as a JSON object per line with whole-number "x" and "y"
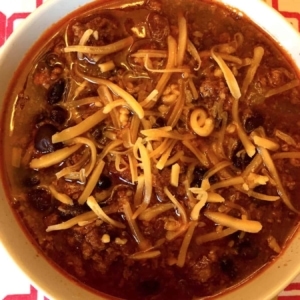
{"x": 59, "y": 115}
{"x": 40, "y": 199}
{"x": 149, "y": 287}
{"x": 97, "y": 132}
{"x": 56, "y": 91}
{"x": 40, "y": 117}
{"x": 160, "y": 122}
{"x": 43, "y": 138}
{"x": 241, "y": 159}
{"x": 104, "y": 182}
{"x": 247, "y": 250}
{"x": 159, "y": 26}
{"x": 129, "y": 24}
{"x": 53, "y": 60}
{"x": 198, "y": 176}
{"x": 228, "y": 267}
{"x": 254, "y": 121}
{"x": 31, "y": 180}
{"x": 153, "y": 5}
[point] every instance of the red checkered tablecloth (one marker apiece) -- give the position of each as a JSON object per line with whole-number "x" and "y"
{"x": 13, "y": 283}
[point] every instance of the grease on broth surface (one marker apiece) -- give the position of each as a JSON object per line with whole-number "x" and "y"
{"x": 154, "y": 150}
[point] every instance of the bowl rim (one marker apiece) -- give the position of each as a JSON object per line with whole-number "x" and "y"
{"x": 30, "y": 260}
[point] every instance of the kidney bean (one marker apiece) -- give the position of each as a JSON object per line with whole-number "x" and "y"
{"x": 43, "y": 138}
{"x": 56, "y": 91}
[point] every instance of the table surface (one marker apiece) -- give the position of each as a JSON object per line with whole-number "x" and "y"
{"x": 14, "y": 285}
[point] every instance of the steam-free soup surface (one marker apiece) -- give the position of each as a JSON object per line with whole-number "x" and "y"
{"x": 153, "y": 150}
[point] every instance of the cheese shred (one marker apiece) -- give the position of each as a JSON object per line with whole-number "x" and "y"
{"x": 96, "y": 208}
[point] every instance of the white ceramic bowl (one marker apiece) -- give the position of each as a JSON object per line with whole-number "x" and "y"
{"x": 264, "y": 285}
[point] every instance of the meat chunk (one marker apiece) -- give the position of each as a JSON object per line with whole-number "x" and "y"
{"x": 159, "y": 26}
{"x": 201, "y": 271}
{"x": 276, "y": 77}
{"x": 73, "y": 189}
